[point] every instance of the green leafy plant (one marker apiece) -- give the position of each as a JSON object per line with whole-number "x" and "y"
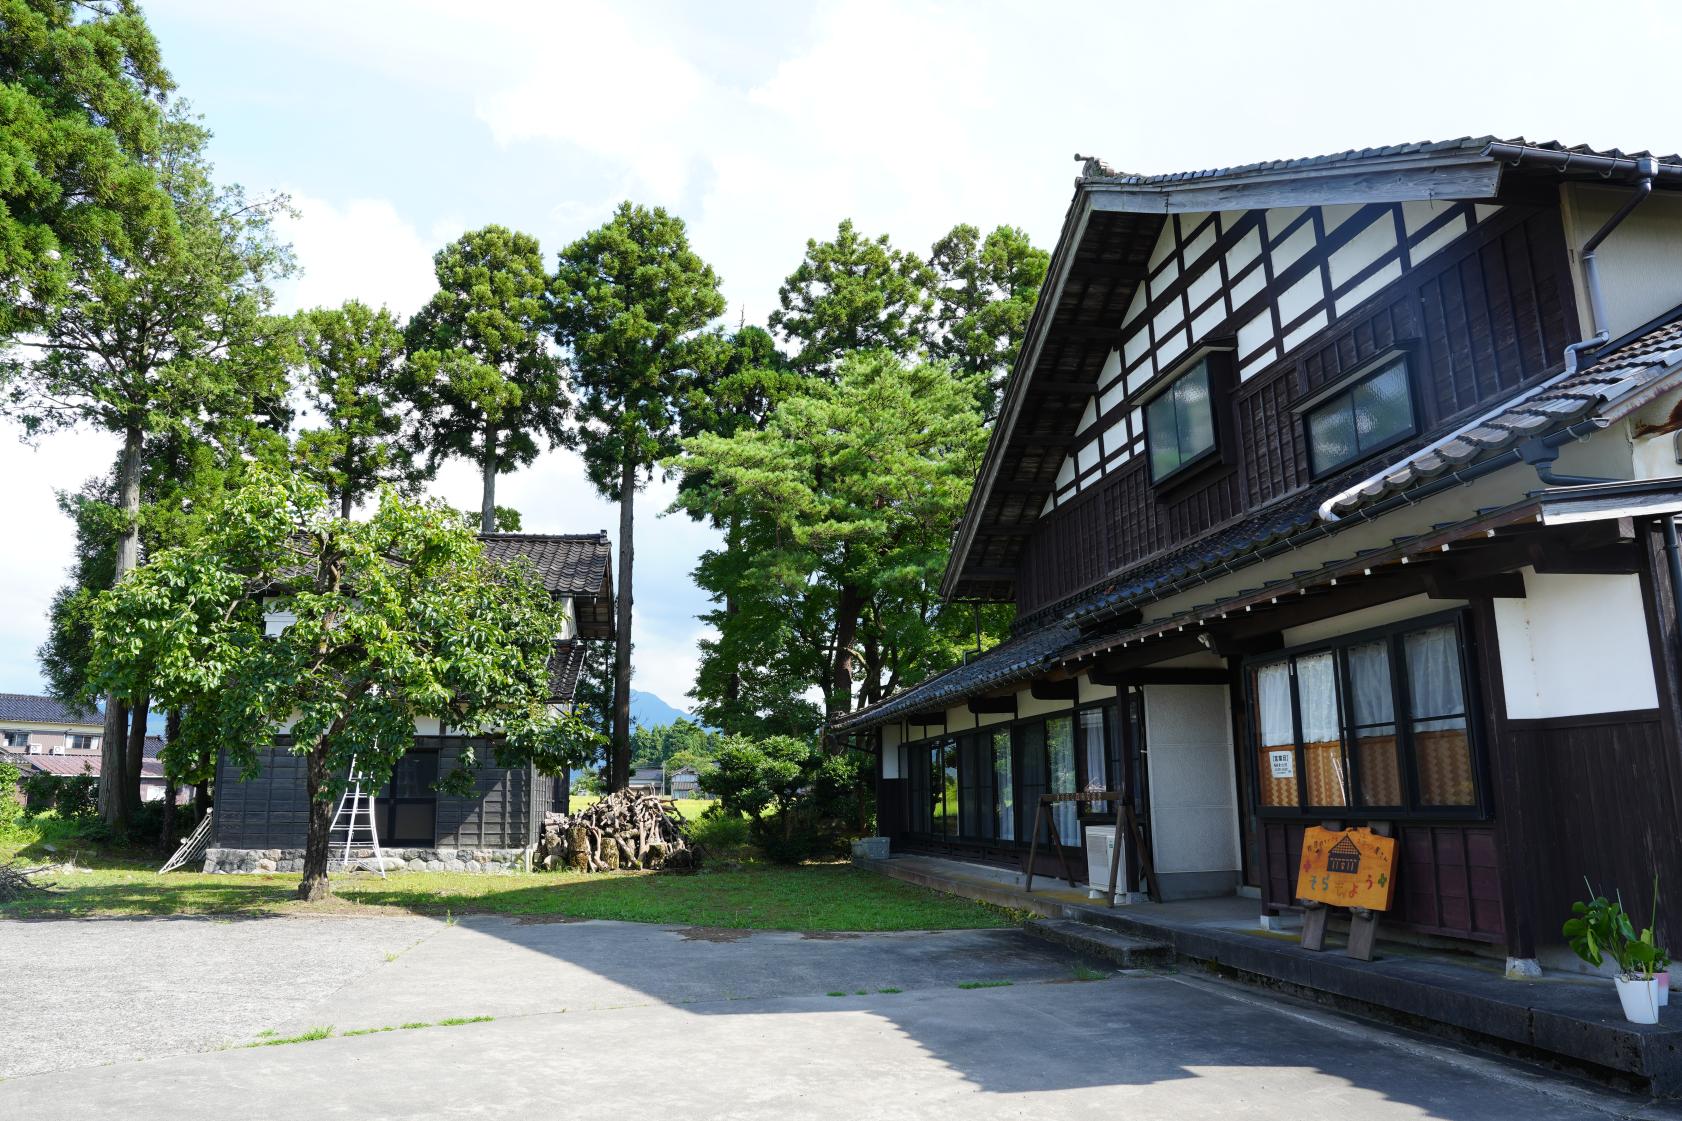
{"x": 1600, "y": 928}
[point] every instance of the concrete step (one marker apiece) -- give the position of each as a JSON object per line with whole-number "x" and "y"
{"x": 1123, "y": 949}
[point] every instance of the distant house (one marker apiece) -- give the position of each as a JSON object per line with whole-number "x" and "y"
{"x": 69, "y": 762}
{"x": 33, "y": 725}
{"x": 267, "y": 813}
{"x": 685, "y": 783}
{"x": 651, "y": 780}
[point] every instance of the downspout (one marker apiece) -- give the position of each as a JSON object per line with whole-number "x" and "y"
{"x": 1647, "y": 169}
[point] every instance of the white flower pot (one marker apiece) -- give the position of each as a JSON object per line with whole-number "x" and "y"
{"x": 1640, "y": 998}
{"x": 1664, "y": 988}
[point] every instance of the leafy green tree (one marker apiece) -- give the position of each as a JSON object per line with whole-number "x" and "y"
{"x": 848, "y": 494}
{"x": 658, "y": 745}
{"x": 752, "y": 380}
{"x": 800, "y": 801}
{"x": 80, "y": 87}
{"x": 353, "y": 360}
{"x": 985, "y": 291}
{"x": 632, "y": 301}
{"x": 183, "y": 481}
{"x": 484, "y": 381}
{"x": 853, "y": 294}
{"x": 174, "y": 338}
{"x": 399, "y": 617}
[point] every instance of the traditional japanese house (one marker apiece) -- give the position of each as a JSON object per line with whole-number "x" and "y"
{"x": 1338, "y": 490}
{"x": 261, "y": 820}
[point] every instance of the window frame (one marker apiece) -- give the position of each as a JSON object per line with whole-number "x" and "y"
{"x": 1345, "y": 387}
{"x": 1412, "y": 810}
{"x": 1216, "y": 361}
{"x": 916, "y": 754}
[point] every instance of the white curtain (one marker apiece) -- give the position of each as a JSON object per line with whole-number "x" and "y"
{"x": 1273, "y": 701}
{"x": 1317, "y": 697}
{"x": 1433, "y": 659}
{"x": 1370, "y": 701}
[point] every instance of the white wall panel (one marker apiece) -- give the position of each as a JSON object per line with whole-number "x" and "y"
{"x": 1194, "y": 801}
{"x": 1575, "y": 645}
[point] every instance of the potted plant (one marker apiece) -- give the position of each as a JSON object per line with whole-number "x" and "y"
{"x": 1601, "y": 928}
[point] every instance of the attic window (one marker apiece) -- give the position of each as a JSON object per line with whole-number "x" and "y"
{"x": 1180, "y": 423}
{"x": 1374, "y": 412}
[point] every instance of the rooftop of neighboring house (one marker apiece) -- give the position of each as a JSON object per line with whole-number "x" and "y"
{"x": 26, "y": 708}
{"x": 151, "y": 768}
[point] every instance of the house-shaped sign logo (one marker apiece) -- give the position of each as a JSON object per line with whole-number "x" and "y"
{"x": 1344, "y": 857}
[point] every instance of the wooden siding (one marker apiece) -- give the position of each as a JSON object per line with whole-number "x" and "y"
{"x": 1602, "y": 789}
{"x": 271, "y": 809}
{"x": 1480, "y": 320}
{"x": 499, "y": 813}
{"x": 268, "y": 811}
{"x": 1448, "y": 881}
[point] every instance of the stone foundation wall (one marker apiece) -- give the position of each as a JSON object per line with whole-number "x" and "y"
{"x": 396, "y": 860}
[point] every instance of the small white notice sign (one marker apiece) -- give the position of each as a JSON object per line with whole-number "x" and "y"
{"x": 1282, "y": 764}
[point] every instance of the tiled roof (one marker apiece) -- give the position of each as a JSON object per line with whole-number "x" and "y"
{"x": 574, "y": 564}
{"x": 1619, "y": 376}
{"x": 1010, "y": 661}
{"x": 43, "y": 710}
{"x": 80, "y": 764}
{"x": 1097, "y": 173}
{"x": 564, "y": 666}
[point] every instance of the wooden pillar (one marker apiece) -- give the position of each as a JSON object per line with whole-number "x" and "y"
{"x": 1509, "y": 789}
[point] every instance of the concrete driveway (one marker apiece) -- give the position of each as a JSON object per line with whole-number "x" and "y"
{"x": 145, "y": 1018}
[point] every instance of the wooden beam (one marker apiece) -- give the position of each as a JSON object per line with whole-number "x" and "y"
{"x": 1165, "y": 675}
{"x": 1609, "y": 560}
{"x": 980, "y": 706}
{"x": 927, "y": 717}
{"x": 1448, "y": 584}
{"x": 1066, "y": 690}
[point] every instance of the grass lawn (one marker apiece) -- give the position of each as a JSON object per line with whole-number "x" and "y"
{"x": 755, "y": 896}
{"x": 759, "y": 897}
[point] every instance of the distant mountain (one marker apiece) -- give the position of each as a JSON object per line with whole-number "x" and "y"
{"x": 650, "y": 711}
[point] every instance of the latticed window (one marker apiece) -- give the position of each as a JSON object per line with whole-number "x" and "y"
{"x": 1374, "y": 722}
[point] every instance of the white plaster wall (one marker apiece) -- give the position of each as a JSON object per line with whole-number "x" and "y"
{"x": 890, "y": 751}
{"x": 429, "y": 726}
{"x": 1575, "y": 645}
{"x": 1381, "y": 616}
{"x": 1029, "y": 705}
{"x": 1090, "y": 692}
{"x": 1640, "y": 263}
{"x": 1194, "y": 799}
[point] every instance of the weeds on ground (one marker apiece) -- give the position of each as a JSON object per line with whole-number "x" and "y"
{"x": 984, "y": 984}
{"x": 457, "y": 1021}
{"x": 890, "y": 990}
{"x": 1087, "y": 973}
{"x": 308, "y": 1036}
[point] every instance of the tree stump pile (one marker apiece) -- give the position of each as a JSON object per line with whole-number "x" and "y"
{"x": 625, "y": 830}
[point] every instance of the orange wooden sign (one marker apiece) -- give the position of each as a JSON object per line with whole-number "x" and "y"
{"x": 1353, "y": 868}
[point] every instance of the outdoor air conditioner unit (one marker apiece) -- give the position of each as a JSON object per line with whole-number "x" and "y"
{"x": 1100, "y": 845}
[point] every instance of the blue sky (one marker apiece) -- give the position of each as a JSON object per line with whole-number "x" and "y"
{"x": 395, "y": 126}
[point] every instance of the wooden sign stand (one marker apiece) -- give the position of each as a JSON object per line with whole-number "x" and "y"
{"x": 1124, "y": 816}
{"x": 1363, "y": 928}
{"x": 1350, "y": 868}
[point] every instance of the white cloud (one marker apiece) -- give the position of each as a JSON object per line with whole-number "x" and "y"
{"x": 41, "y": 540}
{"x": 362, "y": 249}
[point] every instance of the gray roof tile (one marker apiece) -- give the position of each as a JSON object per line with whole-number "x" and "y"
{"x": 43, "y": 710}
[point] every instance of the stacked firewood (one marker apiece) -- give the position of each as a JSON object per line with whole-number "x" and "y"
{"x": 624, "y": 830}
